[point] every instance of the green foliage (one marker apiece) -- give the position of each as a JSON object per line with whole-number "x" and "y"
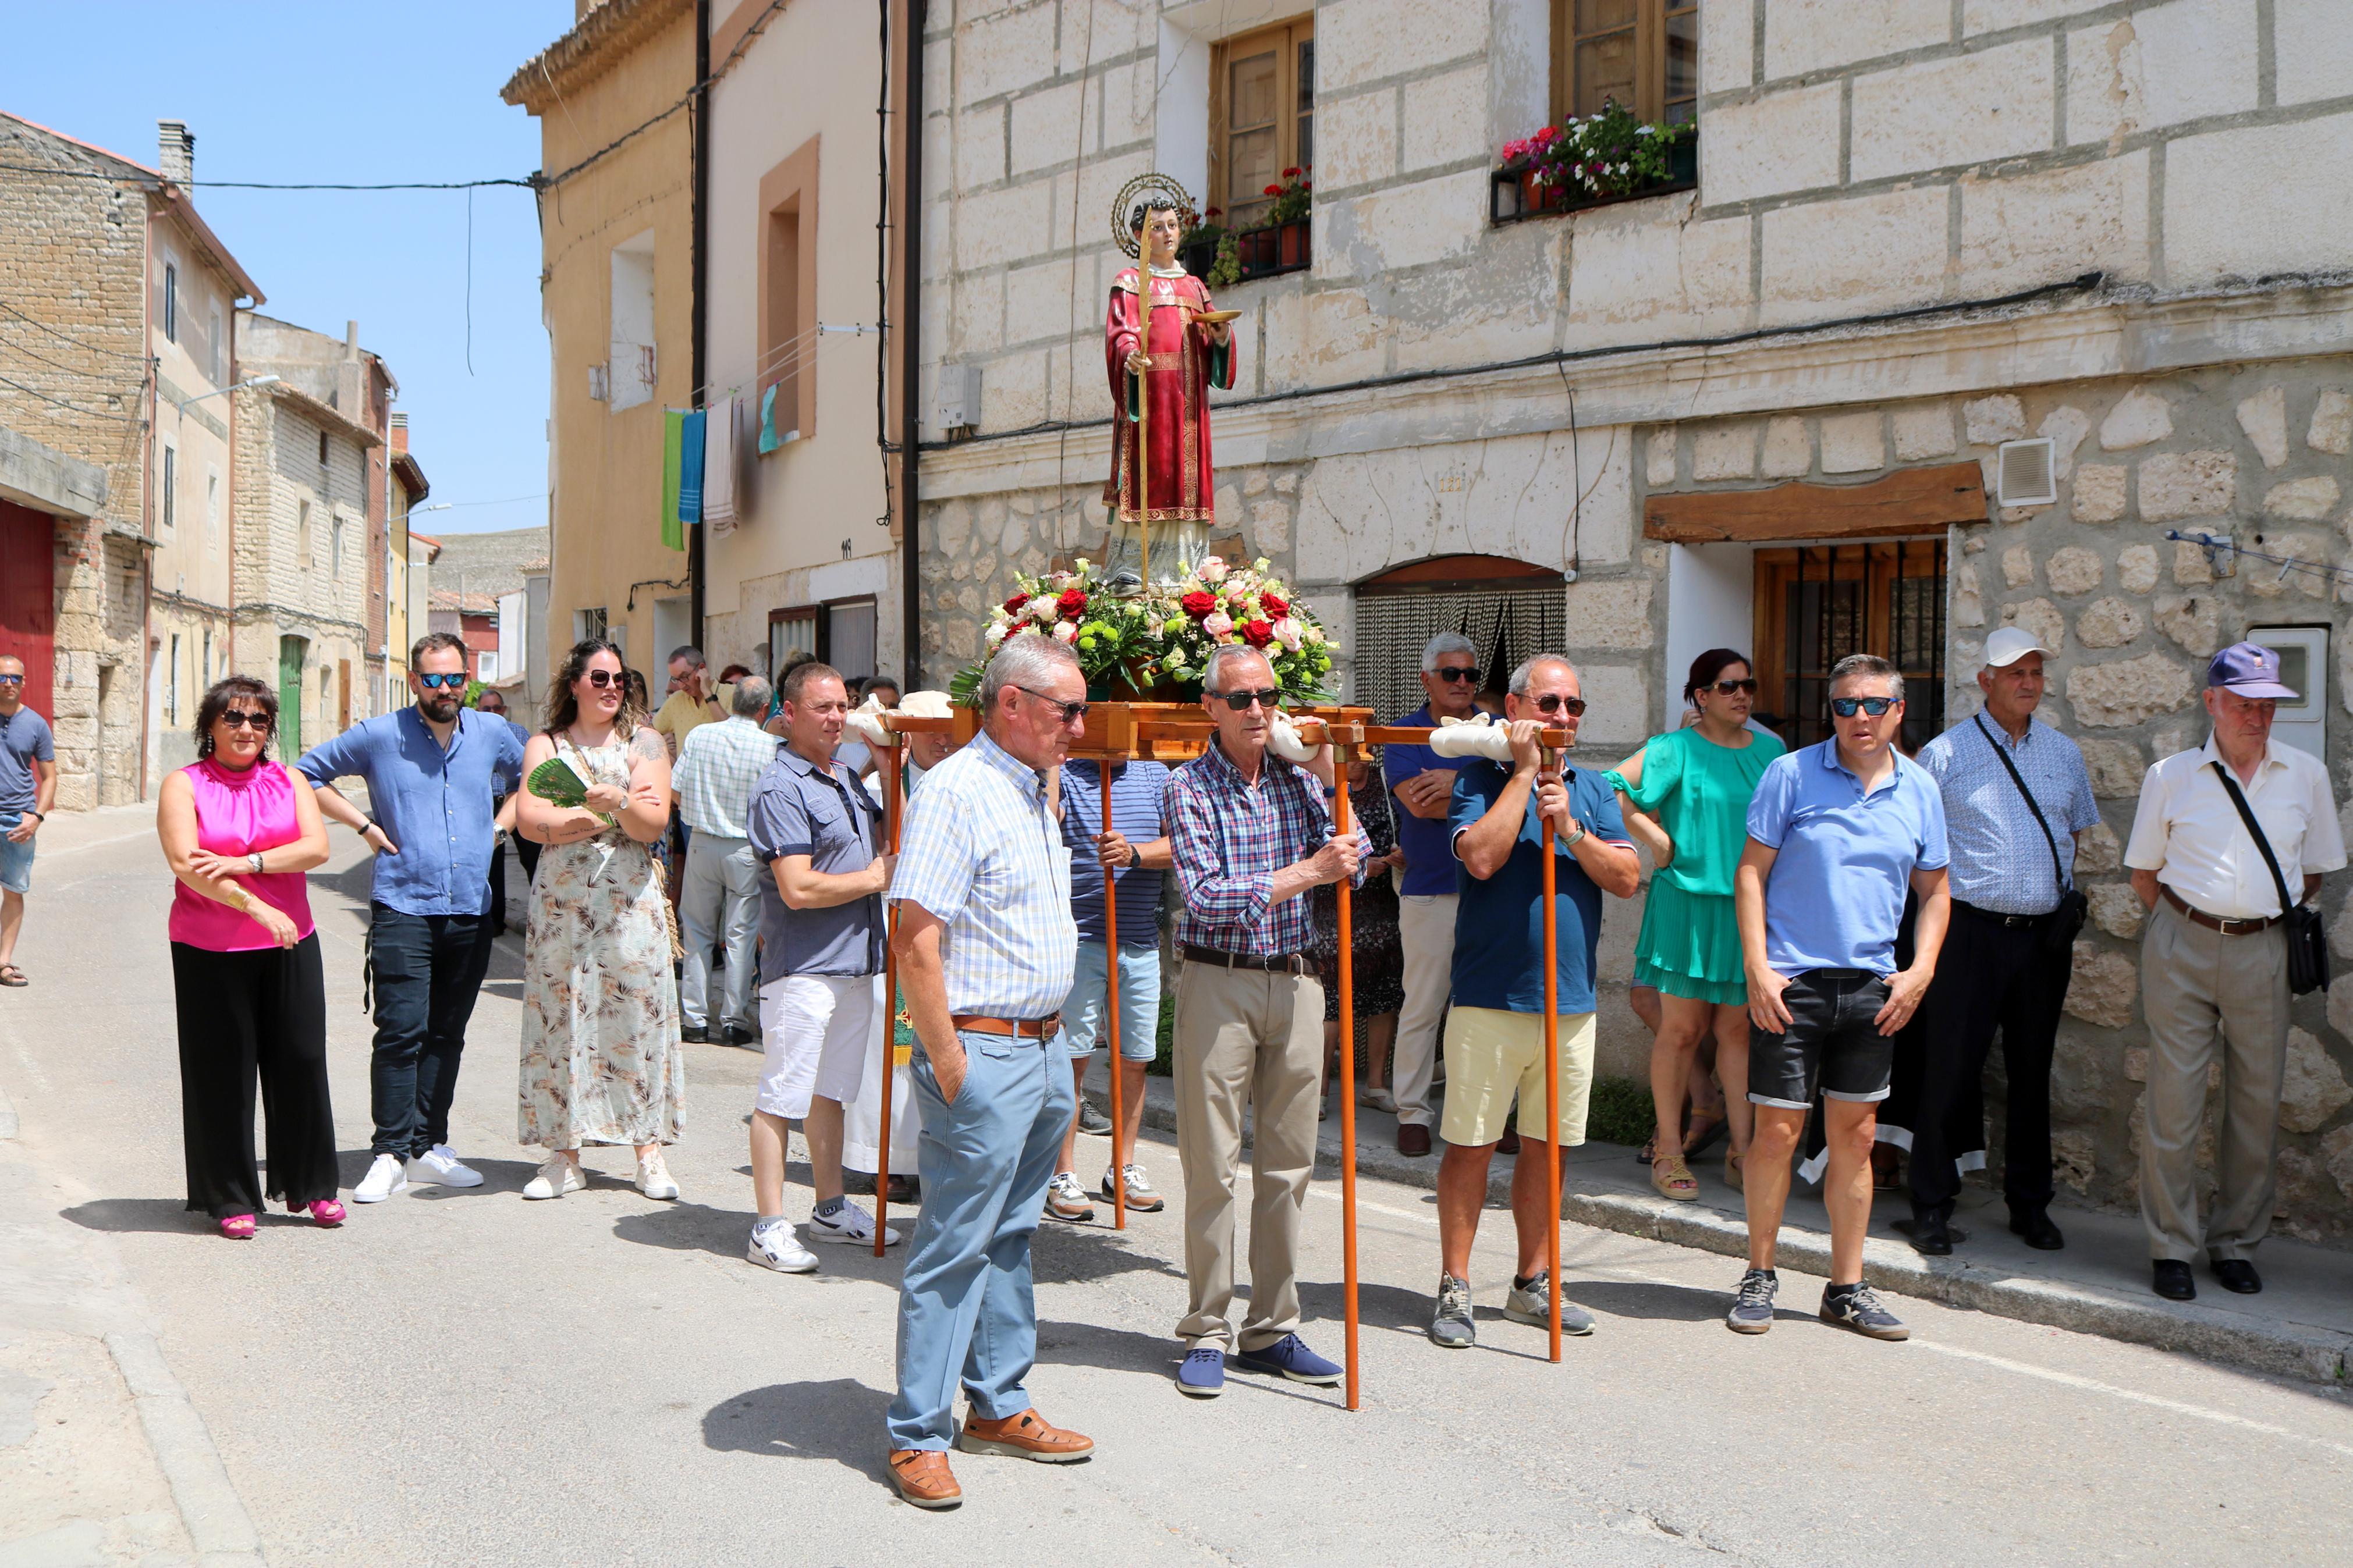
{"x": 1610, "y": 153}
{"x": 1621, "y": 1112}
{"x": 1227, "y": 270}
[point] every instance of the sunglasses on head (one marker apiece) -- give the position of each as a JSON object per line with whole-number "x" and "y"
{"x": 601, "y": 679}
{"x": 1072, "y": 713}
{"x": 1844, "y": 707}
{"x": 437, "y": 683}
{"x": 245, "y": 719}
{"x": 1470, "y": 674}
{"x": 1728, "y": 687}
{"x": 1243, "y": 701}
{"x": 1554, "y": 702}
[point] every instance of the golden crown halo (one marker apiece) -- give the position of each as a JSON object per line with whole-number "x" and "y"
{"x": 1148, "y": 190}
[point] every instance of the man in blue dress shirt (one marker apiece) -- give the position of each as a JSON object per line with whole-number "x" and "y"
{"x": 430, "y": 771}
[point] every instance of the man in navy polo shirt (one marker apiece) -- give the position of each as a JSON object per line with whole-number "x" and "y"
{"x": 1836, "y": 832}
{"x": 1494, "y": 1036}
{"x": 1423, "y": 782}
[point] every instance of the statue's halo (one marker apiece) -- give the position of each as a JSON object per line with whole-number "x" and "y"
{"x": 1169, "y": 194}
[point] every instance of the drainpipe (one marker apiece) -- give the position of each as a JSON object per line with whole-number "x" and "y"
{"x": 910, "y": 316}
{"x": 696, "y": 290}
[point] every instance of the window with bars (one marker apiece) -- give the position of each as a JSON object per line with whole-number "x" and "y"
{"x": 1261, "y": 116}
{"x": 1509, "y": 610}
{"x": 1642, "y": 53}
{"x": 1817, "y": 604}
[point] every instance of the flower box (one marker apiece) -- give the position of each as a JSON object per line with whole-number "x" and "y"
{"x": 1514, "y": 194}
{"x": 1262, "y": 252}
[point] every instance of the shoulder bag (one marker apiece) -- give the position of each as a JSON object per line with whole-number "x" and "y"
{"x": 2060, "y": 926}
{"x": 2308, "y": 944}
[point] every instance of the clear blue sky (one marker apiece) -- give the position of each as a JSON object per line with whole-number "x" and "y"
{"x": 309, "y": 91}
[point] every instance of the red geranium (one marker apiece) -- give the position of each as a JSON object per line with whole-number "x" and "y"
{"x": 1013, "y": 607}
{"x": 1198, "y": 603}
{"x": 1071, "y": 603}
{"x": 1274, "y": 190}
{"x": 1275, "y": 603}
{"x": 1258, "y": 634}
{"x": 1291, "y": 174}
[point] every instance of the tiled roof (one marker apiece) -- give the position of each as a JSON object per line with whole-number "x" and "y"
{"x": 607, "y": 32}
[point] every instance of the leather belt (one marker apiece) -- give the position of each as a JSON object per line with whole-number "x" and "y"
{"x": 1995, "y": 917}
{"x": 1282, "y": 963}
{"x": 2247, "y": 926}
{"x": 1020, "y": 1028}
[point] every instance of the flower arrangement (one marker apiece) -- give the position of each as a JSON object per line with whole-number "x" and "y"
{"x": 1291, "y": 198}
{"x": 1610, "y": 153}
{"x": 1162, "y": 636}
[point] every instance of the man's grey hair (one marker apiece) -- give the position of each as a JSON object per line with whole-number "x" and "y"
{"x": 1869, "y": 666}
{"x": 1025, "y": 658}
{"x": 1441, "y": 644}
{"x": 1223, "y": 655}
{"x": 752, "y": 695}
{"x": 687, "y": 652}
{"x": 1518, "y": 686}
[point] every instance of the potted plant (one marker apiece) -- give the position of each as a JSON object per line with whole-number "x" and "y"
{"x": 1585, "y": 161}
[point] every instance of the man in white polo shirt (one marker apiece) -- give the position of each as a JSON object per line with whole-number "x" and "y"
{"x": 2213, "y": 964}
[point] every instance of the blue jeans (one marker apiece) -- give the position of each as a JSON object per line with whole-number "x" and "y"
{"x": 1085, "y": 1021}
{"x": 967, "y": 1312}
{"x": 427, "y": 970}
{"x": 16, "y": 859}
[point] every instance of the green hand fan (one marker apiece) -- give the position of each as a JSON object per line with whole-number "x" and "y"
{"x": 555, "y": 781}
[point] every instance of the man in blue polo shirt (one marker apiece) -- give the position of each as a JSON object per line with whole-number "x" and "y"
{"x": 1494, "y": 1036}
{"x": 1836, "y": 832}
{"x": 432, "y": 771}
{"x": 1423, "y": 784}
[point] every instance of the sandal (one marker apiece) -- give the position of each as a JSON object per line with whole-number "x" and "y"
{"x": 1705, "y": 1129}
{"x": 237, "y": 1227}
{"x": 1673, "y": 1179}
{"x": 1732, "y": 1176}
{"x": 1887, "y": 1168}
{"x": 327, "y": 1212}
{"x": 1648, "y": 1151}
{"x": 12, "y": 975}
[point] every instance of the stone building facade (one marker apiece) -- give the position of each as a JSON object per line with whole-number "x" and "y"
{"x": 1780, "y": 410}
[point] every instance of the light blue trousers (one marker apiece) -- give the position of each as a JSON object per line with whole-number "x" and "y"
{"x": 719, "y": 899}
{"x": 967, "y": 1312}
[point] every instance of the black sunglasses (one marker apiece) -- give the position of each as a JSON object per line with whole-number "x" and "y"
{"x": 1471, "y": 674}
{"x": 436, "y": 683}
{"x": 1728, "y": 687}
{"x": 12, "y": 680}
{"x": 1553, "y": 702}
{"x": 599, "y": 678}
{"x": 1072, "y": 713}
{"x": 240, "y": 719}
{"x": 1844, "y": 707}
{"x": 1243, "y": 701}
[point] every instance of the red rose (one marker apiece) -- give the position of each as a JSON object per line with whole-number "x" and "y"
{"x": 1198, "y": 603}
{"x": 1275, "y": 603}
{"x": 1013, "y": 605}
{"x": 1291, "y": 174}
{"x": 1273, "y": 190}
{"x": 1258, "y": 634}
{"x": 1071, "y": 603}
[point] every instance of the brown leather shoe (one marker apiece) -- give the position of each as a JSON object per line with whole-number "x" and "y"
{"x": 1027, "y": 1436}
{"x": 923, "y": 1477}
{"x": 1412, "y": 1139}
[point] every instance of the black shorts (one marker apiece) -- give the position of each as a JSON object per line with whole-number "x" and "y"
{"x": 1832, "y": 1042}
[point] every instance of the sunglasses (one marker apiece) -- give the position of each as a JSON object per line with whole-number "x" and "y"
{"x": 599, "y": 678}
{"x": 1072, "y": 713}
{"x": 1728, "y": 687}
{"x": 12, "y": 680}
{"x": 240, "y": 719}
{"x": 1471, "y": 675}
{"x": 436, "y": 683}
{"x": 1844, "y": 707}
{"x": 1554, "y": 702}
{"x": 1243, "y": 701}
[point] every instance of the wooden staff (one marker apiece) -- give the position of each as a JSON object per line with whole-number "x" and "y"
{"x": 1111, "y": 1008}
{"x": 1143, "y": 433}
{"x": 1341, "y": 825}
{"x": 888, "y": 757}
{"x": 1552, "y": 1081}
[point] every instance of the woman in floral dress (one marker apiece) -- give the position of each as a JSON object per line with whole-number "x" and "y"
{"x": 602, "y": 1061}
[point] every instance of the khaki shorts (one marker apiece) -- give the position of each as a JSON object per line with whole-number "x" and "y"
{"x": 1491, "y": 1055}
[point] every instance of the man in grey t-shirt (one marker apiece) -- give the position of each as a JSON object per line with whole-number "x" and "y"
{"x": 28, "y": 788}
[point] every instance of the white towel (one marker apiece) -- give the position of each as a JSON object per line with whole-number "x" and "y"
{"x": 719, "y": 467}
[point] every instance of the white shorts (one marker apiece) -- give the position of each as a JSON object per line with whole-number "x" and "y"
{"x": 815, "y": 1027}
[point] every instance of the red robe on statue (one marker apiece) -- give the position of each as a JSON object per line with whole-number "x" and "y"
{"x": 1176, "y": 399}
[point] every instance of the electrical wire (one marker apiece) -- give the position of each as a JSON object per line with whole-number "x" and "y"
{"x": 64, "y": 337}
{"x": 156, "y": 181}
{"x": 2213, "y": 542}
{"x": 545, "y": 182}
{"x": 61, "y": 403}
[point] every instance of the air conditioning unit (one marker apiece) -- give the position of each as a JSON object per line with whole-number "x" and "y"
{"x": 957, "y": 406}
{"x": 2026, "y": 473}
{"x": 600, "y": 386}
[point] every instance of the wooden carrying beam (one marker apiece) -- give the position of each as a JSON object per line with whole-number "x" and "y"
{"x": 1912, "y": 502}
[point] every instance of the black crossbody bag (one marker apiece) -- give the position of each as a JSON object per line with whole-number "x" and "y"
{"x": 2060, "y": 926}
{"x": 2308, "y": 944}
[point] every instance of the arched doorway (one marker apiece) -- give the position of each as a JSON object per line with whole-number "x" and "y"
{"x": 1509, "y": 609}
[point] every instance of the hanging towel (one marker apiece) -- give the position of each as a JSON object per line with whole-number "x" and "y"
{"x": 689, "y": 468}
{"x": 673, "y": 435}
{"x": 719, "y": 468}
{"x": 768, "y": 420}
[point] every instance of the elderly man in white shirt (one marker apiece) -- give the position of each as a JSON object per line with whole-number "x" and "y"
{"x": 719, "y": 766}
{"x": 2213, "y": 964}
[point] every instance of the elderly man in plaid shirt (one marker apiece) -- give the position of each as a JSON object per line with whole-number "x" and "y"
{"x": 1251, "y": 833}
{"x": 719, "y": 766}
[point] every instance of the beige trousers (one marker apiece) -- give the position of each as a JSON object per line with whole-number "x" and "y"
{"x": 2202, "y": 991}
{"x": 1245, "y": 1038}
{"x": 1425, "y": 935}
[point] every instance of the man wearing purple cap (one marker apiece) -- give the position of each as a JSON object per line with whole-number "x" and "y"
{"x": 2213, "y": 968}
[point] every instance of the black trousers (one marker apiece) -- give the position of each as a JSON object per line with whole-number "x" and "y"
{"x": 1990, "y": 978}
{"x": 427, "y": 970}
{"x": 498, "y": 889}
{"x": 243, "y": 1017}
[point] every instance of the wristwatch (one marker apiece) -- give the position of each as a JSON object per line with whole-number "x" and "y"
{"x": 1574, "y": 839}
{"x": 255, "y": 862}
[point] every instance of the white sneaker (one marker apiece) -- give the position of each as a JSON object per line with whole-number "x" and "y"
{"x": 438, "y": 1165}
{"x": 386, "y": 1176}
{"x": 1140, "y": 1195}
{"x": 779, "y": 1249}
{"x": 848, "y": 1224}
{"x": 556, "y": 1178}
{"x": 654, "y": 1179}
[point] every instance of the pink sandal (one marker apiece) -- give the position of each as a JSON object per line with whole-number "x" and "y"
{"x": 326, "y": 1210}
{"x": 237, "y": 1227}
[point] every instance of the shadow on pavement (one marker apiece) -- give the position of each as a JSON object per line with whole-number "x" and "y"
{"x": 1061, "y": 1343}
{"x": 839, "y": 1419}
{"x": 166, "y": 1215}
{"x": 1664, "y": 1303}
{"x": 1065, "y": 1254}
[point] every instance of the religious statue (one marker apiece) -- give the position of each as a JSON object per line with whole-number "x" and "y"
{"x": 1164, "y": 347}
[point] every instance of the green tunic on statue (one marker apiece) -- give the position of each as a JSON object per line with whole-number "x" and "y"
{"x": 1699, "y": 791}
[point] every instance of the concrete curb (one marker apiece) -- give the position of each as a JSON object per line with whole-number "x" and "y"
{"x": 217, "y": 1524}
{"x": 2276, "y": 1348}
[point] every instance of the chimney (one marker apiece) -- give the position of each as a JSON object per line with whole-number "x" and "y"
{"x": 400, "y": 435}
{"x": 175, "y": 150}
{"x": 347, "y": 376}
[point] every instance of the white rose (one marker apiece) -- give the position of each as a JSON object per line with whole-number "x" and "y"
{"x": 1040, "y": 609}
{"x": 1067, "y": 632}
{"x": 1288, "y": 632}
{"x": 997, "y": 634}
{"x": 1218, "y": 624}
{"x": 1213, "y": 569}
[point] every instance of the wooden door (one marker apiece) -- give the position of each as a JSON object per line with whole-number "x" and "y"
{"x": 289, "y": 697}
{"x": 343, "y": 695}
{"x": 28, "y": 605}
{"x": 1817, "y": 604}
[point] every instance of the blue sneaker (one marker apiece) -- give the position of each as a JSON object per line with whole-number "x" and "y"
{"x": 1289, "y": 1357}
{"x": 1202, "y": 1373}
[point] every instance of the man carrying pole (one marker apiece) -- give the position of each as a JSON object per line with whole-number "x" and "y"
{"x": 1503, "y": 821}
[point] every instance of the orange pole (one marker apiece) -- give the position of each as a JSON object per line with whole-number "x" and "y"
{"x": 1111, "y": 1010}
{"x": 888, "y": 757}
{"x": 1552, "y": 1086}
{"x": 1348, "y": 1074}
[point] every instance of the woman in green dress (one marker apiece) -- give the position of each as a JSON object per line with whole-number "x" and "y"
{"x": 1694, "y": 784}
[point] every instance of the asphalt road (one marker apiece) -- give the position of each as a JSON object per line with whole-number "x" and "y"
{"x": 463, "y": 1378}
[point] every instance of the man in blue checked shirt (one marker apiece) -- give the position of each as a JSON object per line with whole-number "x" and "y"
{"x": 986, "y": 948}
{"x": 430, "y": 770}
{"x": 1251, "y": 833}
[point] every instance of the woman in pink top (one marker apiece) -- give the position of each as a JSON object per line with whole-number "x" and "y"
{"x": 239, "y": 831}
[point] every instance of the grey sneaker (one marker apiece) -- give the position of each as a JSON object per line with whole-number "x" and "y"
{"x": 1533, "y": 1305}
{"x": 1451, "y": 1326}
{"x": 1092, "y": 1122}
{"x": 1752, "y": 1308}
{"x": 1858, "y": 1306}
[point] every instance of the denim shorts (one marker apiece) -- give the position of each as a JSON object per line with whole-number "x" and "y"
{"x": 1832, "y": 1042}
{"x": 1084, "y": 1025}
{"x": 16, "y": 859}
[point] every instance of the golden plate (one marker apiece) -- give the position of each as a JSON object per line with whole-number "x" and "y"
{"x": 1215, "y": 318}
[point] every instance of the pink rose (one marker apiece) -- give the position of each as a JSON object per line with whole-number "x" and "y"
{"x": 1213, "y": 569}
{"x": 1068, "y": 631}
{"x": 1219, "y": 623}
{"x": 1286, "y": 632}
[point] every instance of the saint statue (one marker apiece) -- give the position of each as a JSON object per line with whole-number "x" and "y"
{"x": 1164, "y": 347}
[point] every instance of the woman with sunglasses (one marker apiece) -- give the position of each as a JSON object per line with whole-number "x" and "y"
{"x": 1694, "y": 784}
{"x": 239, "y": 831}
{"x": 602, "y": 1062}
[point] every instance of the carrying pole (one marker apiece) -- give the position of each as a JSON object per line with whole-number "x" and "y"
{"x": 1111, "y": 1013}
{"x": 1341, "y": 825}
{"x": 888, "y": 757}
{"x": 1552, "y": 1081}
{"x": 1143, "y": 418}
